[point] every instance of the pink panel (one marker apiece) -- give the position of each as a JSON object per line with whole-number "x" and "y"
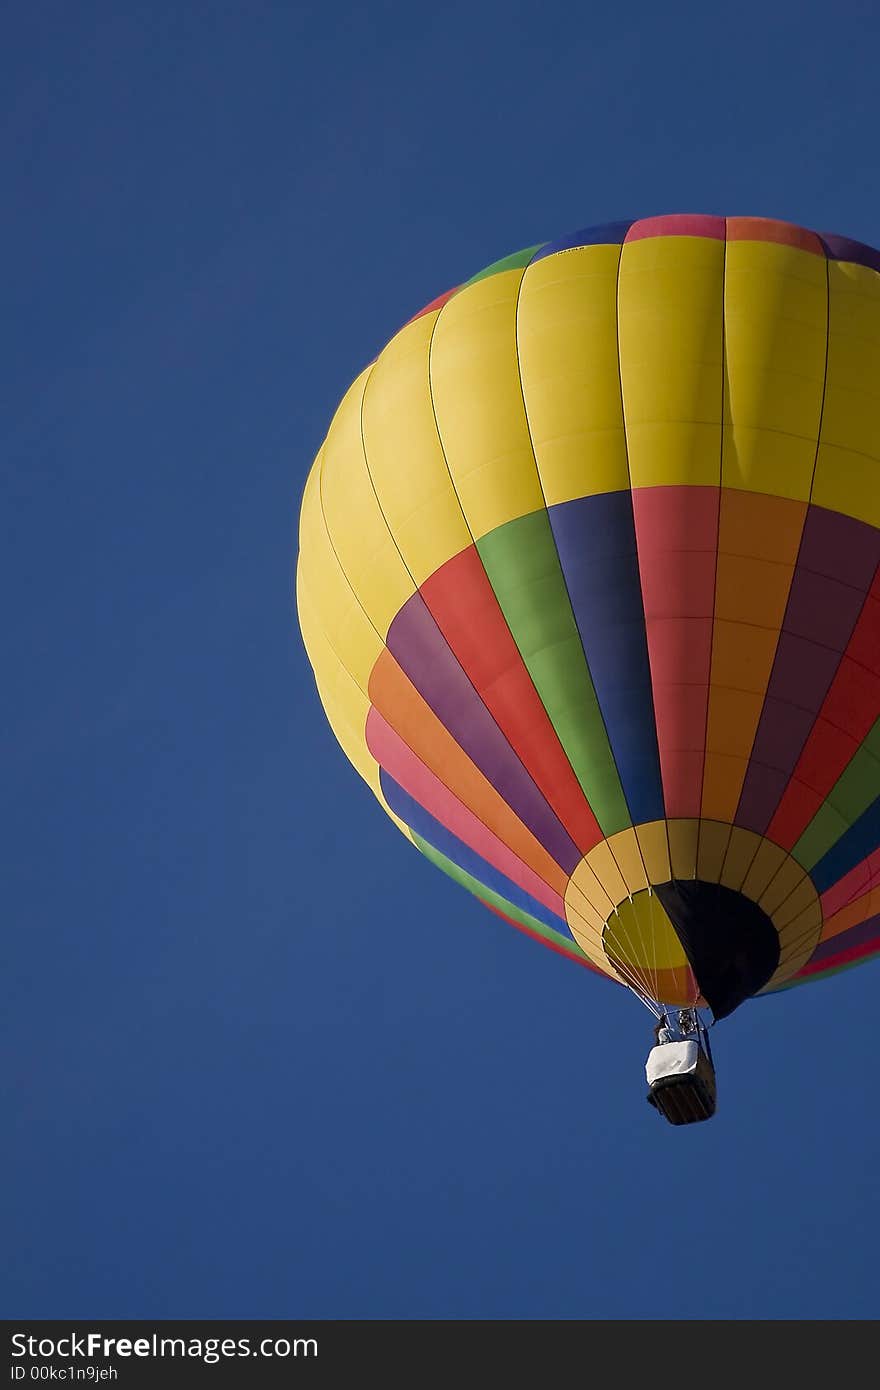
{"x": 389, "y": 750}
{"x": 859, "y": 880}
{"x": 677, "y": 538}
{"x": 677, "y": 224}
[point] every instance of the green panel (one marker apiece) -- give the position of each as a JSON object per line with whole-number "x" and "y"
{"x": 852, "y": 794}
{"x": 523, "y": 567}
{"x": 473, "y": 885}
{"x": 514, "y": 262}
{"x": 824, "y": 830}
{"x": 857, "y": 785}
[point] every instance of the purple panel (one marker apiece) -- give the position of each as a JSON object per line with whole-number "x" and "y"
{"x": 802, "y": 671}
{"x": 860, "y": 935}
{"x": 840, "y": 546}
{"x": 823, "y": 610}
{"x": 420, "y": 649}
{"x": 841, "y": 248}
{"x": 764, "y": 787}
{"x": 835, "y": 568}
{"x": 781, "y": 734}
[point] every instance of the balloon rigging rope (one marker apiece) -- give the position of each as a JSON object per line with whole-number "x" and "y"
{"x": 641, "y": 948}
{"x": 654, "y": 955}
{"x": 632, "y": 982}
{"x": 630, "y": 976}
{"x": 643, "y": 998}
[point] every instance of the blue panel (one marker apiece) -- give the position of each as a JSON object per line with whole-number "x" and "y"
{"x": 418, "y": 819}
{"x": 595, "y": 537}
{"x": 606, "y": 234}
{"x": 862, "y": 837}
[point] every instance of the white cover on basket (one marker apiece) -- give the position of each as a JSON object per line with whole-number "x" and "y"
{"x": 672, "y": 1059}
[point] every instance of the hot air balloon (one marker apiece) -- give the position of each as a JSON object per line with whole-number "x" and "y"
{"x": 588, "y": 579}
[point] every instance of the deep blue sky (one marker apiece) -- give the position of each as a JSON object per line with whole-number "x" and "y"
{"x": 259, "y": 1059}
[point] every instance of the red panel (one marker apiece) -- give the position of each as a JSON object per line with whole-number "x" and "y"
{"x": 685, "y": 589}
{"x": 853, "y": 702}
{"x": 677, "y": 535}
{"x": 463, "y": 604}
{"x": 675, "y": 518}
{"x": 860, "y": 879}
{"x": 677, "y": 224}
{"x": 864, "y": 645}
{"x": 826, "y": 753}
{"x": 435, "y": 304}
{"x": 797, "y": 808}
{"x": 681, "y": 651}
{"x": 767, "y": 229}
{"x": 681, "y": 717}
{"x": 845, "y": 958}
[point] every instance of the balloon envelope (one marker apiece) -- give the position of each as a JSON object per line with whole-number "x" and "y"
{"x": 588, "y": 578}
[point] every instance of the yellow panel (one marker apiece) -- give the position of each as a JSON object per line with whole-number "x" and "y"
{"x": 714, "y": 838}
{"x": 625, "y": 848}
{"x": 798, "y": 919}
{"x": 670, "y": 316}
{"x": 775, "y": 327}
{"x": 587, "y": 919}
{"x": 350, "y": 743}
{"x": 597, "y": 955}
{"x": 349, "y": 631}
{"x": 620, "y": 951}
{"x": 741, "y": 851}
{"x": 604, "y": 866}
{"x": 789, "y": 967}
{"x": 405, "y": 457}
{"x": 797, "y": 942}
{"x": 848, "y": 484}
{"x": 310, "y": 498}
{"x": 671, "y": 988}
{"x": 355, "y": 524}
{"x": 763, "y": 867}
{"x": 642, "y": 945}
{"x": 578, "y": 905}
{"x": 345, "y": 705}
{"x": 683, "y": 841}
{"x": 478, "y": 398}
{"x": 642, "y": 934}
{"x": 589, "y": 938}
{"x": 848, "y": 466}
{"x": 794, "y": 904}
{"x": 584, "y": 890}
{"x": 783, "y": 882}
{"x": 654, "y": 845}
{"x": 567, "y": 334}
{"x": 802, "y": 929}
